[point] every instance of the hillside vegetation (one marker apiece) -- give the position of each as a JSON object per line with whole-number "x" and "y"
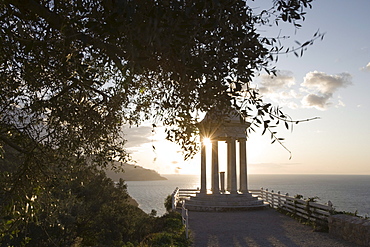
{"x": 78, "y": 206}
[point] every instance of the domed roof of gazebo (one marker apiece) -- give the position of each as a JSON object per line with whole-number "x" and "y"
{"x": 223, "y": 123}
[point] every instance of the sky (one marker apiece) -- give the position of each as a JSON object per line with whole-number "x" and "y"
{"x": 330, "y": 81}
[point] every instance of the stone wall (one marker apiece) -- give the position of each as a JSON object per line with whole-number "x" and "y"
{"x": 350, "y": 228}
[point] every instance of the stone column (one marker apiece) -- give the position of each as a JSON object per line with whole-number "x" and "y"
{"x": 222, "y": 181}
{"x": 243, "y": 166}
{"x": 228, "y": 169}
{"x": 203, "y": 168}
{"x": 231, "y": 148}
{"x": 215, "y": 178}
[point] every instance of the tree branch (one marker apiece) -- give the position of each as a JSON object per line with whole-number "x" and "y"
{"x": 56, "y": 22}
{"x": 12, "y": 144}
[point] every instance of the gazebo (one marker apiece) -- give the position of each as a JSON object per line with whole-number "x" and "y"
{"x": 229, "y": 126}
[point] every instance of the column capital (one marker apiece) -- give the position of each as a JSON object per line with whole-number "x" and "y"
{"x": 230, "y": 139}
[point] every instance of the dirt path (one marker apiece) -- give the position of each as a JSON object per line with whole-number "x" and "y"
{"x": 260, "y": 228}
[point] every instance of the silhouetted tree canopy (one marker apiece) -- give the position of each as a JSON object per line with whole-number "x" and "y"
{"x": 72, "y": 73}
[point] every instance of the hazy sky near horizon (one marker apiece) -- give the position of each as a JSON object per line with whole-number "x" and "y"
{"x": 330, "y": 81}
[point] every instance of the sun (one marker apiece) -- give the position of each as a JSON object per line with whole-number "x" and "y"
{"x": 207, "y": 141}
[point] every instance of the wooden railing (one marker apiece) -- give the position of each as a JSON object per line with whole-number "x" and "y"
{"x": 176, "y": 200}
{"x": 178, "y": 196}
{"x": 186, "y": 193}
{"x": 307, "y": 209}
{"x": 185, "y": 218}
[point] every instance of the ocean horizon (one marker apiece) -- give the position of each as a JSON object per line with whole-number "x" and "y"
{"x": 350, "y": 193}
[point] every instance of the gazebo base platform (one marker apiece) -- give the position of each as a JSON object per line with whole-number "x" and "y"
{"x": 224, "y": 202}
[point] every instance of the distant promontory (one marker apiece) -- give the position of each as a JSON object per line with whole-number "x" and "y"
{"x": 134, "y": 173}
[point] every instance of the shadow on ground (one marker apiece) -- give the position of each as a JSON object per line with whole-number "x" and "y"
{"x": 259, "y": 228}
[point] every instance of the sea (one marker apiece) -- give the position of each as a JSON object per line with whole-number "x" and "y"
{"x": 350, "y": 193}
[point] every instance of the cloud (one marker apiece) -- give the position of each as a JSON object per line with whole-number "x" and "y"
{"x": 317, "y": 101}
{"x": 321, "y": 87}
{"x": 366, "y": 68}
{"x": 293, "y": 105}
{"x": 325, "y": 83}
{"x": 137, "y": 136}
{"x": 279, "y": 88}
{"x": 340, "y": 103}
{"x": 275, "y": 165}
{"x": 272, "y": 168}
{"x": 274, "y": 84}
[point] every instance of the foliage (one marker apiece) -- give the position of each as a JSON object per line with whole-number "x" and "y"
{"x": 298, "y": 196}
{"x": 168, "y": 203}
{"x": 75, "y": 204}
{"x": 366, "y": 217}
{"x": 169, "y": 231}
{"x": 312, "y": 199}
{"x": 318, "y": 226}
{"x": 71, "y": 74}
{"x": 86, "y": 209}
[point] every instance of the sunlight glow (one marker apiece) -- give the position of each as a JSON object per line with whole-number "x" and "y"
{"x": 207, "y": 141}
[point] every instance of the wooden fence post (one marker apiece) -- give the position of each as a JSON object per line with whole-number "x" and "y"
{"x": 174, "y": 198}
{"x": 331, "y": 209}
{"x": 185, "y": 218}
{"x": 272, "y": 199}
{"x": 262, "y": 197}
{"x": 286, "y": 195}
{"x": 187, "y": 223}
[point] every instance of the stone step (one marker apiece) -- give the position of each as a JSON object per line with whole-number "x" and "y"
{"x": 225, "y": 208}
{"x": 217, "y": 201}
{"x": 202, "y": 203}
{"x": 222, "y": 202}
{"x": 224, "y": 197}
